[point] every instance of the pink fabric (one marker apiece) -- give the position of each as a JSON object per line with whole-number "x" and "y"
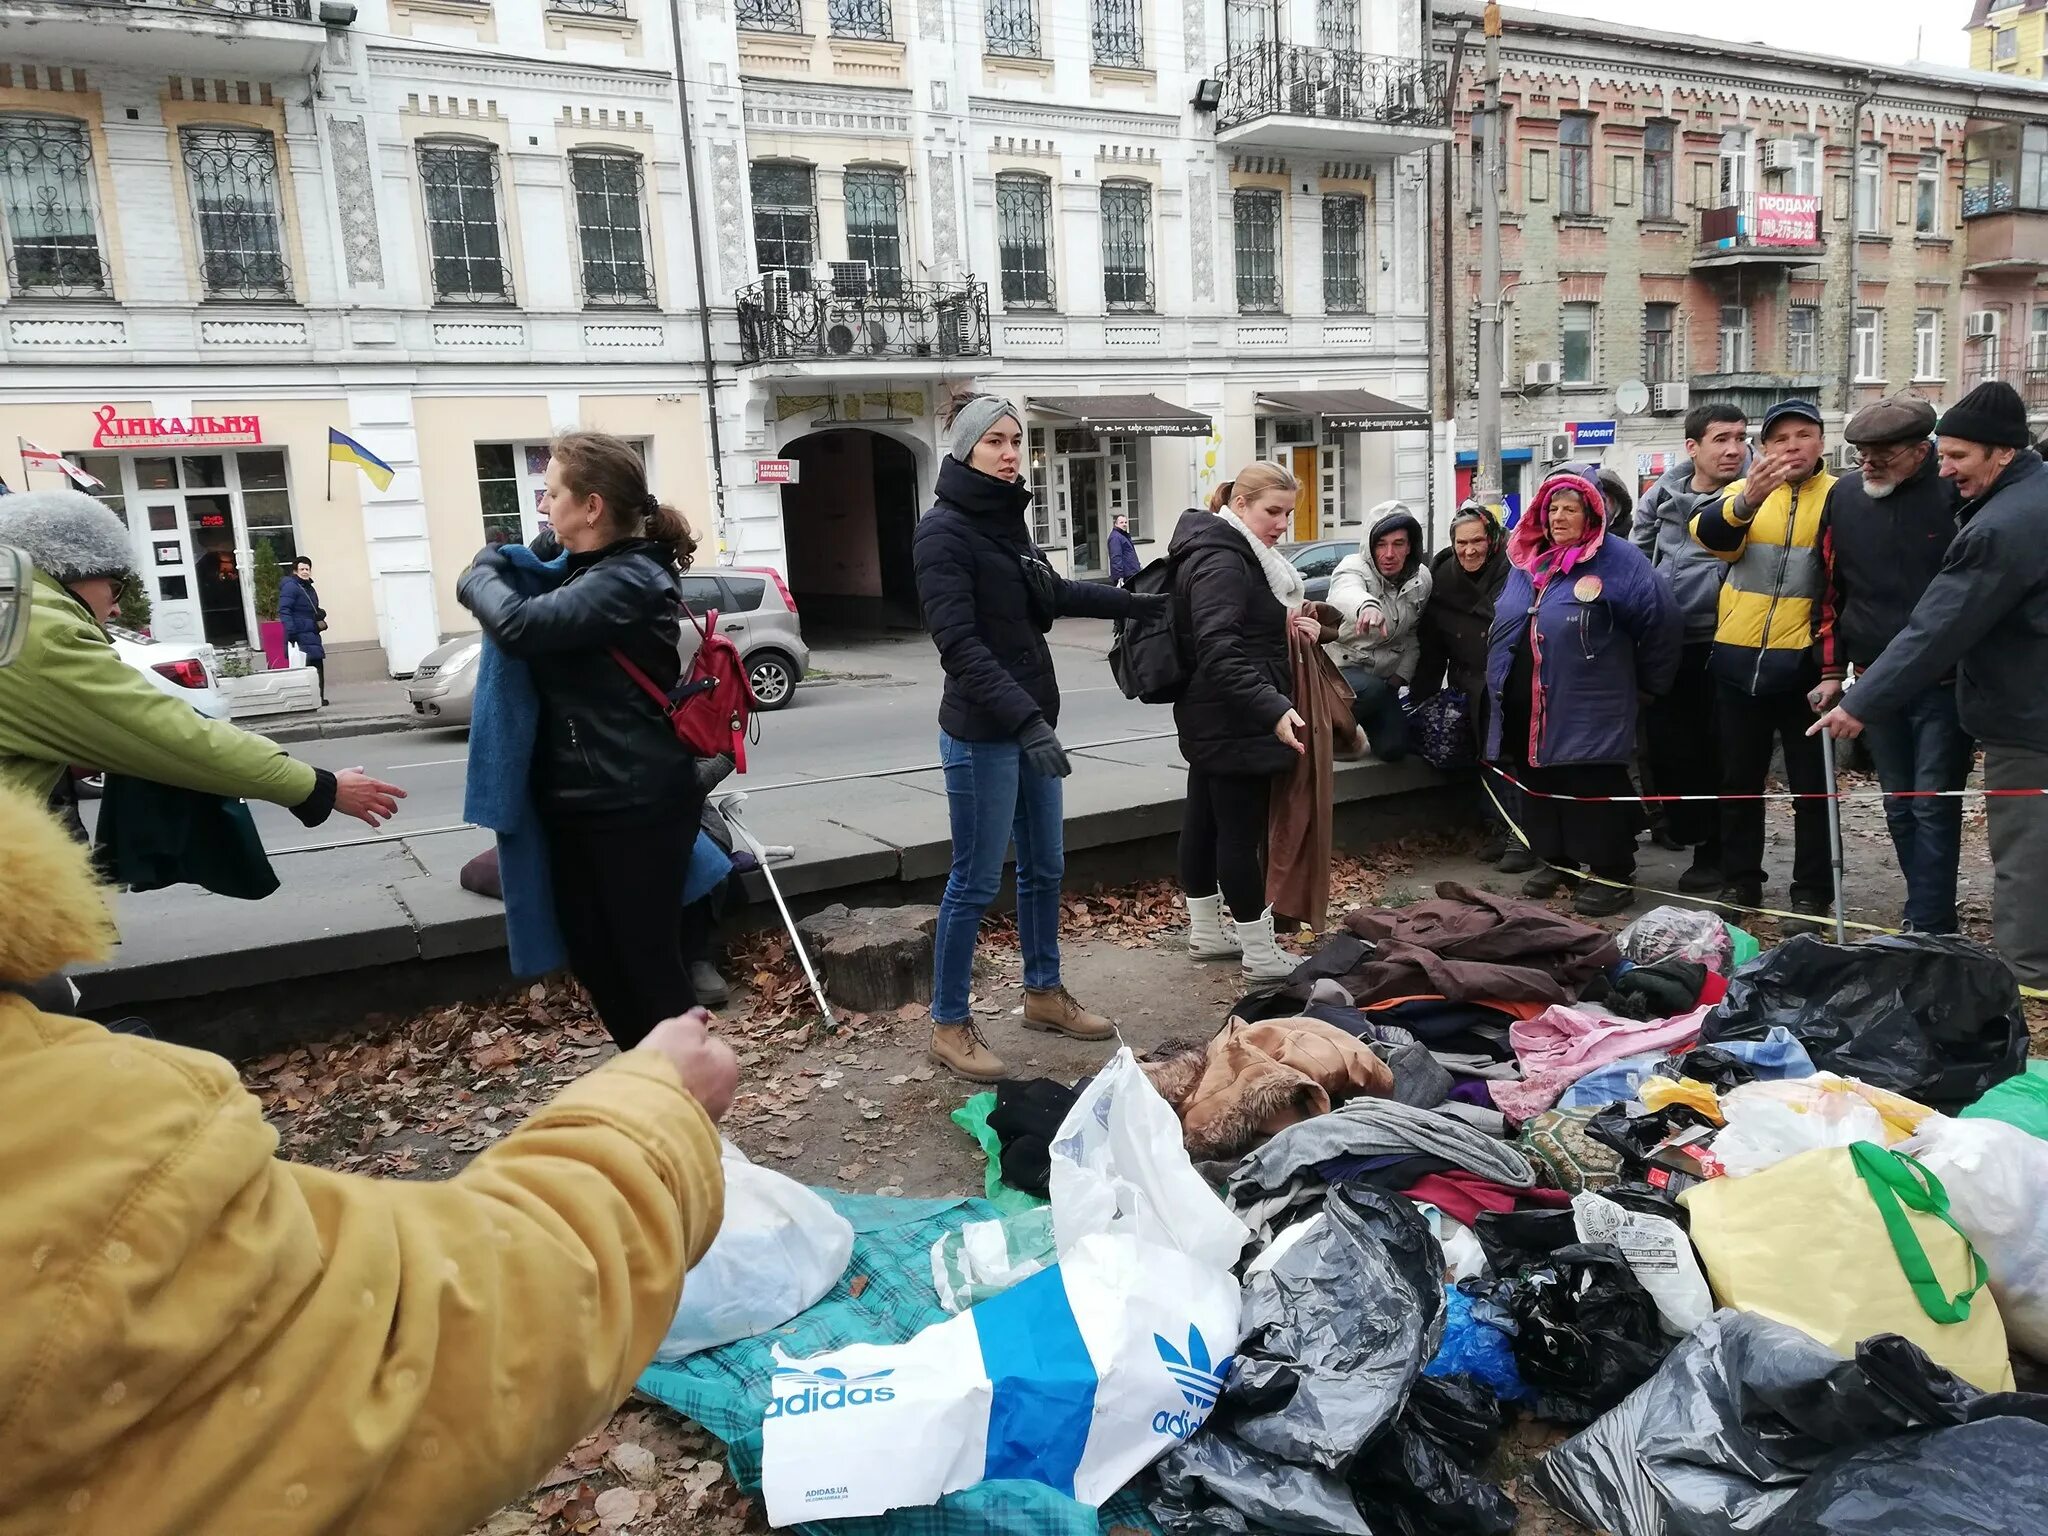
{"x": 1562, "y": 1044}
{"x": 1529, "y": 545}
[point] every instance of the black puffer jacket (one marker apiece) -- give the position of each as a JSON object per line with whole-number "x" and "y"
{"x": 1227, "y": 618}
{"x": 971, "y": 585}
{"x": 1883, "y": 553}
{"x": 1458, "y": 619}
{"x": 604, "y": 746}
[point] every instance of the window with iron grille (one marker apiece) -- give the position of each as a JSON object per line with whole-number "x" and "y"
{"x": 1119, "y": 33}
{"x": 785, "y": 219}
{"x": 1660, "y": 349}
{"x": 1343, "y": 254}
{"x": 859, "y": 18}
{"x": 1127, "y": 245}
{"x": 1246, "y": 24}
{"x": 465, "y": 244}
{"x": 232, "y": 173}
{"x": 769, "y": 15}
{"x": 46, "y": 204}
{"x": 1658, "y": 177}
{"x": 874, "y": 226}
{"x": 1024, "y": 240}
{"x": 1337, "y": 25}
{"x": 1575, "y": 164}
{"x": 611, "y": 228}
{"x": 1012, "y": 28}
{"x": 1255, "y": 217}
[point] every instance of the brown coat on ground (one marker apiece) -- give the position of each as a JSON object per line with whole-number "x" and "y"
{"x": 1251, "y": 1080}
{"x": 1469, "y": 944}
{"x": 1299, "y": 826}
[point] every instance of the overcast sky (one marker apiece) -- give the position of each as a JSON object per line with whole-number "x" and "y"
{"x": 1882, "y": 31}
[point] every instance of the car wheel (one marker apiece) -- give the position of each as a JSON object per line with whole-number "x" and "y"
{"x": 773, "y": 677}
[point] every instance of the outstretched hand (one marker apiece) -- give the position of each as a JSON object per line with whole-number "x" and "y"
{"x": 368, "y": 800}
{"x": 704, "y": 1062}
{"x": 1838, "y": 723}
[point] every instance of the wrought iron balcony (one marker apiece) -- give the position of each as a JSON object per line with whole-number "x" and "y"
{"x": 1293, "y": 95}
{"x": 272, "y": 39}
{"x": 780, "y": 322}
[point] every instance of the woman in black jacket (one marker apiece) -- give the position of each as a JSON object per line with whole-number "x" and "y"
{"x": 616, "y": 792}
{"x": 1234, "y": 600}
{"x": 988, "y": 598}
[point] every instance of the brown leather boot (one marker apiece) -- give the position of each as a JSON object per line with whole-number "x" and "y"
{"x": 1054, "y": 1011}
{"x": 962, "y": 1051}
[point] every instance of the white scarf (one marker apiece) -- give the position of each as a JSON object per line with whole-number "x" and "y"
{"x": 1287, "y": 583}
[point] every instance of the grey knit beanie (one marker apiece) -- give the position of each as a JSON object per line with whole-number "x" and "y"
{"x": 66, "y": 534}
{"x": 975, "y": 418}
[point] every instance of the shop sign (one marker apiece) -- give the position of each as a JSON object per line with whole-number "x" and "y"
{"x": 775, "y": 471}
{"x": 175, "y": 431}
{"x": 1591, "y": 434}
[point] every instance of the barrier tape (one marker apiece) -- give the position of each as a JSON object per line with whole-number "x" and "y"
{"x": 1776, "y": 794}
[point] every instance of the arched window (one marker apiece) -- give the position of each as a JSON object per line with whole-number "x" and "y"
{"x": 611, "y": 227}
{"x": 785, "y": 219}
{"x": 48, "y": 209}
{"x": 1024, "y": 239}
{"x": 1127, "y": 245}
{"x": 236, "y": 212}
{"x": 465, "y": 238}
{"x": 874, "y": 225}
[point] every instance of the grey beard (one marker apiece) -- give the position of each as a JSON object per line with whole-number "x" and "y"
{"x": 1878, "y": 492}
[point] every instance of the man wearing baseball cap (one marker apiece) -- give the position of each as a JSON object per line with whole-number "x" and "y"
{"x": 1985, "y": 617}
{"x": 1887, "y": 527}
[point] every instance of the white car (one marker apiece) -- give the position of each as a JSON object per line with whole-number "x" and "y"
{"x": 187, "y": 672}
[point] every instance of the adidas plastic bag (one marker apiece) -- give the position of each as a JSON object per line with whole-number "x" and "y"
{"x": 1658, "y": 1250}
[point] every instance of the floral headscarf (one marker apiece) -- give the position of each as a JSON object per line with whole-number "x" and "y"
{"x": 1530, "y": 547}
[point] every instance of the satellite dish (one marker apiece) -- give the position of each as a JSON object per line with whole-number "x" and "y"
{"x": 1632, "y": 398}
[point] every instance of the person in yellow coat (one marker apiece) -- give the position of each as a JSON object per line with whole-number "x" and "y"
{"x": 199, "y": 1337}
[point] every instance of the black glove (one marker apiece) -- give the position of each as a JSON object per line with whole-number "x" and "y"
{"x": 1151, "y": 604}
{"x": 1043, "y": 754}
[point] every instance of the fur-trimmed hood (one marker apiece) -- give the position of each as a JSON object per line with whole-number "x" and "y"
{"x": 66, "y": 534}
{"x": 53, "y": 912}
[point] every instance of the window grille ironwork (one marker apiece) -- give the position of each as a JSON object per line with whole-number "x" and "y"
{"x": 1266, "y": 79}
{"x": 612, "y": 8}
{"x": 1127, "y": 245}
{"x": 1337, "y": 24}
{"x": 1011, "y": 28}
{"x": 785, "y": 219}
{"x": 920, "y": 320}
{"x": 769, "y": 15}
{"x": 869, "y": 19}
{"x": 1246, "y": 24}
{"x": 874, "y": 226}
{"x": 465, "y": 244}
{"x": 46, "y": 205}
{"x": 1255, "y": 213}
{"x": 1119, "y": 33}
{"x": 232, "y": 173}
{"x": 611, "y": 228}
{"x": 276, "y": 10}
{"x": 1024, "y": 240}
{"x": 1343, "y": 254}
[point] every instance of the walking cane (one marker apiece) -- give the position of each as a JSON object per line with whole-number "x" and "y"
{"x": 728, "y": 807}
{"x": 1827, "y": 756}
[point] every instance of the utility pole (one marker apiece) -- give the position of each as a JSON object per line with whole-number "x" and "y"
{"x": 1486, "y": 478}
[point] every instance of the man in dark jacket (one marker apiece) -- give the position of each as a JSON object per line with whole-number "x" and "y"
{"x": 1985, "y": 617}
{"x": 1883, "y": 537}
{"x": 1123, "y": 553}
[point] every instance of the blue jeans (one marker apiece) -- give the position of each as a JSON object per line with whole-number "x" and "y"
{"x": 991, "y": 798}
{"x": 1379, "y": 710}
{"x": 1924, "y": 747}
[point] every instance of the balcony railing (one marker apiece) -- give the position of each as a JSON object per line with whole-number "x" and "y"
{"x": 2023, "y": 365}
{"x": 1274, "y": 79}
{"x": 263, "y": 10}
{"x": 780, "y": 323}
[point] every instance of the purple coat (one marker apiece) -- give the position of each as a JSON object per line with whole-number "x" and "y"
{"x": 1605, "y": 631}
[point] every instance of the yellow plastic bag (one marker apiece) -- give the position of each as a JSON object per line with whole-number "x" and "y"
{"x": 1656, "y": 1092}
{"x": 1807, "y": 1243}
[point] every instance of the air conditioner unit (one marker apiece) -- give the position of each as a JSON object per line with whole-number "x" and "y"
{"x": 1543, "y": 375}
{"x": 775, "y": 293}
{"x": 1980, "y": 323}
{"x": 1781, "y": 154}
{"x": 841, "y": 339}
{"x": 1842, "y": 458}
{"x": 851, "y": 280}
{"x": 1557, "y": 448}
{"x": 1672, "y": 398}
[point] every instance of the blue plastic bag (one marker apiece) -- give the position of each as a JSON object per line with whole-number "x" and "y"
{"x": 1474, "y": 1345}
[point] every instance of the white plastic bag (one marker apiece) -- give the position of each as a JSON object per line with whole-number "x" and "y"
{"x": 986, "y": 1258}
{"x": 780, "y": 1251}
{"x": 1995, "y": 1175}
{"x": 1769, "y": 1122}
{"x": 1659, "y": 1252}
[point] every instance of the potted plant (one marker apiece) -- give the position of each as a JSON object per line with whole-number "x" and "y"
{"x": 269, "y": 578}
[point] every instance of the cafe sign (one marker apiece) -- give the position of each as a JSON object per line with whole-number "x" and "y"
{"x": 175, "y": 431}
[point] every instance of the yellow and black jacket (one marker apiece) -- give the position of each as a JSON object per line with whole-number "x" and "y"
{"x": 1775, "y": 633}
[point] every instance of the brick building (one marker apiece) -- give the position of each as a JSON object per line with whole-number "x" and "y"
{"x": 1684, "y": 221}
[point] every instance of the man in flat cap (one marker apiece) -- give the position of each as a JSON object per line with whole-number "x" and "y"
{"x": 1886, "y": 529}
{"x": 1985, "y": 618}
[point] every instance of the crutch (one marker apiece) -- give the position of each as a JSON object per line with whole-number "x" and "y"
{"x": 1827, "y": 757}
{"x": 728, "y": 805}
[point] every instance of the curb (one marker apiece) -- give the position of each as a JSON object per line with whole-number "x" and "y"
{"x": 322, "y": 730}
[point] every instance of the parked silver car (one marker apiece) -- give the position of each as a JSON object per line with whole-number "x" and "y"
{"x": 443, "y": 685}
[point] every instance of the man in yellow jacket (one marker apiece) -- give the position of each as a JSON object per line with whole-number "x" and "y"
{"x": 1773, "y": 640}
{"x": 200, "y": 1338}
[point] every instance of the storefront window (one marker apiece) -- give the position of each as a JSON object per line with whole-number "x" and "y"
{"x": 497, "y": 483}
{"x": 155, "y": 474}
{"x": 267, "y": 505}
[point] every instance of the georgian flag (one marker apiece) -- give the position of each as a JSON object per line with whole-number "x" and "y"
{"x": 34, "y": 458}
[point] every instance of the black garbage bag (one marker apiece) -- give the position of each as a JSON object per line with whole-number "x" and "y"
{"x": 1988, "y": 1478}
{"x": 1586, "y": 1333}
{"x": 1936, "y": 1019}
{"x": 1636, "y": 1136}
{"x": 1420, "y": 1478}
{"x": 1718, "y": 1069}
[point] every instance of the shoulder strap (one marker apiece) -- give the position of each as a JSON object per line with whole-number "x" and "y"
{"x": 647, "y": 684}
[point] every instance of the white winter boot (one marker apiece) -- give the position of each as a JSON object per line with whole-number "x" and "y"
{"x": 1206, "y": 938}
{"x": 1263, "y": 959}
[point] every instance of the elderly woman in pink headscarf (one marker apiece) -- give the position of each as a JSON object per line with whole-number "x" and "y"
{"x": 1583, "y": 629}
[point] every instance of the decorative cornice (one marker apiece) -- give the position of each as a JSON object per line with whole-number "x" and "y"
{"x": 439, "y": 65}
{"x": 985, "y": 111}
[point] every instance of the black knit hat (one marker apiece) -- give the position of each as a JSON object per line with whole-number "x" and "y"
{"x": 1992, "y": 414}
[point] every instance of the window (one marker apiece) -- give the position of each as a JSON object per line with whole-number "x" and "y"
{"x": 497, "y": 484}
{"x": 1127, "y": 245}
{"x": 1660, "y": 351}
{"x": 1733, "y": 356}
{"x": 232, "y": 173}
{"x": 1337, "y": 25}
{"x": 1802, "y": 338}
{"x": 1575, "y": 164}
{"x": 1119, "y": 34}
{"x": 1927, "y": 196}
{"x": 1804, "y": 178}
{"x": 785, "y": 219}
{"x": 1024, "y": 240}
{"x": 611, "y": 232}
{"x": 1927, "y": 344}
{"x": 1577, "y": 335}
{"x": 770, "y": 15}
{"x": 1478, "y": 171}
{"x": 1658, "y": 173}
{"x": 1343, "y": 254}
{"x": 46, "y": 202}
{"x": 874, "y": 226}
{"x": 1012, "y": 28}
{"x": 2005, "y": 44}
{"x": 267, "y": 504}
{"x": 2005, "y": 168}
{"x": 1734, "y": 168}
{"x": 1869, "y": 339}
{"x": 1246, "y": 24}
{"x": 1041, "y": 489}
{"x": 1255, "y": 215}
{"x": 859, "y": 18}
{"x": 466, "y": 247}
{"x": 2037, "y": 344}
{"x": 1870, "y": 190}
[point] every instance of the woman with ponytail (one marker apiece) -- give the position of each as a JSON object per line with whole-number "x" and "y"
{"x": 615, "y": 792}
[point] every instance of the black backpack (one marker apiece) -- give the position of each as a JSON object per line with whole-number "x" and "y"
{"x": 1144, "y": 653}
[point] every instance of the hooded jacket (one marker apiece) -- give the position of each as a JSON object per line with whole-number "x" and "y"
{"x": 1881, "y": 553}
{"x": 201, "y": 1337}
{"x": 1774, "y": 633}
{"x": 1226, "y": 617}
{"x": 1365, "y": 597}
{"x": 299, "y": 610}
{"x": 1458, "y": 618}
{"x": 1602, "y": 633}
{"x": 1663, "y": 532}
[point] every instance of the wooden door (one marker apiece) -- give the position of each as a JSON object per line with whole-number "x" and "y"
{"x": 1307, "y": 503}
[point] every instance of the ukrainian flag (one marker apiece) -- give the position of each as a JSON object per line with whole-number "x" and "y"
{"x": 343, "y": 449}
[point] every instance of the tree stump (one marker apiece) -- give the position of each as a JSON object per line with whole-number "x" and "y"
{"x": 872, "y": 958}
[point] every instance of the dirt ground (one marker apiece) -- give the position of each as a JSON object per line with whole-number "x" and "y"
{"x": 858, "y": 1107}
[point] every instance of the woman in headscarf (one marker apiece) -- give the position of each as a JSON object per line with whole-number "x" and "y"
{"x": 1582, "y": 630}
{"x": 1465, "y": 581}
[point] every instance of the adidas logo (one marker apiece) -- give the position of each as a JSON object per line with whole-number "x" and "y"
{"x": 794, "y": 1392}
{"x": 1199, "y": 1381}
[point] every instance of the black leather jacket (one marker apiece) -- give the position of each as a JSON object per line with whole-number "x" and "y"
{"x": 603, "y": 746}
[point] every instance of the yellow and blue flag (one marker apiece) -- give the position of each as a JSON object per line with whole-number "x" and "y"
{"x": 343, "y": 449}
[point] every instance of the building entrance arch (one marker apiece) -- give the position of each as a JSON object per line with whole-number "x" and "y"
{"x": 848, "y": 523}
